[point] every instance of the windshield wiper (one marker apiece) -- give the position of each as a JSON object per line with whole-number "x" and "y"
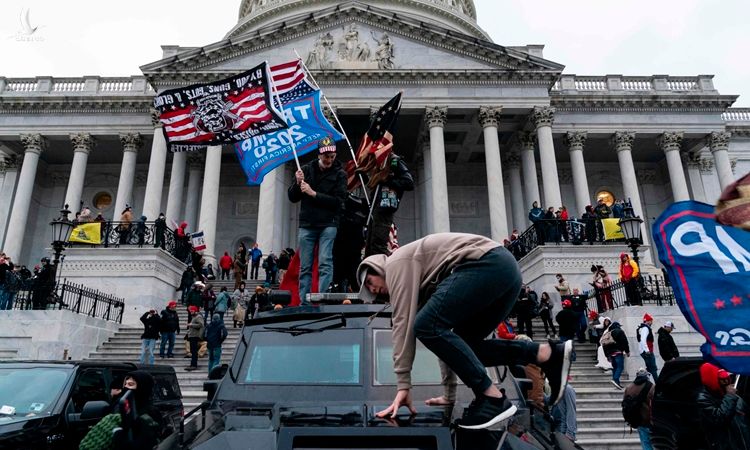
{"x": 301, "y": 328}
{"x": 350, "y": 418}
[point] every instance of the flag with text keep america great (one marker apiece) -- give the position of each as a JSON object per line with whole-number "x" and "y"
{"x": 224, "y": 111}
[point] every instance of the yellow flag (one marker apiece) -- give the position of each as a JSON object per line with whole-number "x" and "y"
{"x": 612, "y": 229}
{"x": 87, "y": 233}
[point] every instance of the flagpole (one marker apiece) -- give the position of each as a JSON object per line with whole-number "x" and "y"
{"x": 283, "y": 113}
{"x": 338, "y": 122}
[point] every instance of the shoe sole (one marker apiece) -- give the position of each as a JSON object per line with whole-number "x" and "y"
{"x": 505, "y": 415}
{"x": 618, "y": 386}
{"x": 565, "y": 372}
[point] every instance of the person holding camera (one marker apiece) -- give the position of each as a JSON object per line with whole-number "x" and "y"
{"x": 151, "y": 325}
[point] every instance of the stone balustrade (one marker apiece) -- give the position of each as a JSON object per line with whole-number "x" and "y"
{"x": 618, "y": 84}
{"x": 736, "y": 115}
{"x": 82, "y": 86}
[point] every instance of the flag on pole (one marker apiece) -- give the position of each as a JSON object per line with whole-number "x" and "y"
{"x": 376, "y": 145}
{"x": 708, "y": 265}
{"x": 307, "y": 125}
{"x": 198, "y": 240}
{"x": 224, "y": 111}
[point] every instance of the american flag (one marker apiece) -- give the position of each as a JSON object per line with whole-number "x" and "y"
{"x": 224, "y": 111}
{"x": 376, "y": 145}
{"x": 287, "y": 75}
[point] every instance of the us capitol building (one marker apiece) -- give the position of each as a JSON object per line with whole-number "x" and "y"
{"x": 486, "y": 130}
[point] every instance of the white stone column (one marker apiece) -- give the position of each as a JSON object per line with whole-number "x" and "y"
{"x": 10, "y": 166}
{"x": 210, "y": 202}
{"x": 575, "y": 140}
{"x": 192, "y": 203}
{"x": 83, "y": 143}
{"x": 670, "y": 143}
{"x": 157, "y": 164}
{"x": 176, "y": 187}
{"x": 427, "y": 169}
{"x": 622, "y": 141}
{"x": 530, "y": 181}
{"x": 436, "y": 117}
{"x": 267, "y": 211}
{"x": 718, "y": 142}
{"x": 543, "y": 118}
{"x": 694, "y": 163}
{"x": 131, "y": 142}
{"x": 488, "y": 118}
{"x": 34, "y": 145}
{"x": 513, "y": 163}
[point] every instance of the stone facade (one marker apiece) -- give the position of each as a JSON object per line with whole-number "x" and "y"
{"x": 486, "y": 130}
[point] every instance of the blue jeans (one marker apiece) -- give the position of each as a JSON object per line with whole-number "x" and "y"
{"x": 650, "y": 361}
{"x": 308, "y": 237}
{"x": 618, "y": 364}
{"x": 167, "y": 337}
{"x": 465, "y": 308}
{"x": 582, "y": 325}
{"x": 645, "y": 434}
{"x": 214, "y": 358}
{"x": 147, "y": 345}
{"x": 6, "y": 299}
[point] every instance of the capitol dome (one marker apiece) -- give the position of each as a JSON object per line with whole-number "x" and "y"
{"x": 458, "y": 15}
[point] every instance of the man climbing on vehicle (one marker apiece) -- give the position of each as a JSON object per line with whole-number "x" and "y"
{"x": 445, "y": 291}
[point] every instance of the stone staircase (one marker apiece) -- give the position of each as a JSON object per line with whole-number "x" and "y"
{"x": 125, "y": 345}
{"x": 598, "y": 410}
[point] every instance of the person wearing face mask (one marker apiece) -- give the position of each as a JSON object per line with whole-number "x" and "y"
{"x": 160, "y": 228}
{"x": 137, "y": 423}
{"x": 320, "y": 186}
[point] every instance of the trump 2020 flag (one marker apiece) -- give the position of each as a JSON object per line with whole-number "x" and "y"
{"x": 224, "y": 111}
{"x": 709, "y": 267}
{"x": 307, "y": 125}
{"x": 198, "y": 241}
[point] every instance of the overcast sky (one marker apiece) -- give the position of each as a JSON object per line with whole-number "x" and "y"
{"x": 590, "y": 37}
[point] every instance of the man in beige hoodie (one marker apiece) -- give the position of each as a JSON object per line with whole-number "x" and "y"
{"x": 450, "y": 291}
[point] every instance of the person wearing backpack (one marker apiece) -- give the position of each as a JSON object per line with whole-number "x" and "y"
{"x": 616, "y": 348}
{"x": 645, "y": 338}
{"x": 223, "y": 300}
{"x": 636, "y": 406}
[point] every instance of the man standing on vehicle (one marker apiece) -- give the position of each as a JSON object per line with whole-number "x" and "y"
{"x": 645, "y": 339}
{"x": 444, "y": 291}
{"x": 321, "y": 187}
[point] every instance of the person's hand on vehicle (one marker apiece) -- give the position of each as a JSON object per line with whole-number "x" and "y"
{"x": 403, "y": 398}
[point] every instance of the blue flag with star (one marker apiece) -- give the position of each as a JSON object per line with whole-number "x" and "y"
{"x": 307, "y": 125}
{"x": 708, "y": 265}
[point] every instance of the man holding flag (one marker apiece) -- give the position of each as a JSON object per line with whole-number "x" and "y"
{"x": 321, "y": 187}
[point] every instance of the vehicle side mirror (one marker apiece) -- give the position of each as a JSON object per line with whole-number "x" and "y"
{"x": 95, "y": 410}
{"x": 210, "y": 388}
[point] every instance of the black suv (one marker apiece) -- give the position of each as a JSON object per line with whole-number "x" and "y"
{"x": 313, "y": 378}
{"x": 55, "y": 403}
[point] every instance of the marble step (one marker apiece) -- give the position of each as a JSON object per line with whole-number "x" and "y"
{"x": 627, "y": 443}
{"x": 610, "y": 412}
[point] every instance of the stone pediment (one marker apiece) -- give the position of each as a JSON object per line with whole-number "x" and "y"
{"x": 353, "y": 38}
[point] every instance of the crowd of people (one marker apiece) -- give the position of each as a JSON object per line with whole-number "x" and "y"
{"x": 38, "y": 282}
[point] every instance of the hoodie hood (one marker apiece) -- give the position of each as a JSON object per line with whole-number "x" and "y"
{"x": 710, "y": 375}
{"x": 183, "y": 225}
{"x": 623, "y": 254}
{"x": 145, "y": 389}
{"x": 377, "y": 264}
{"x": 615, "y": 325}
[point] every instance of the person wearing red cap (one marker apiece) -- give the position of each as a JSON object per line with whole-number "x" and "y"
{"x": 567, "y": 319}
{"x": 723, "y": 412}
{"x": 195, "y": 333}
{"x": 170, "y": 328}
{"x": 645, "y": 338}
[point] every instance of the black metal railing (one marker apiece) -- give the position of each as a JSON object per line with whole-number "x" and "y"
{"x": 573, "y": 231}
{"x": 649, "y": 290}
{"x": 31, "y": 294}
{"x": 146, "y": 234}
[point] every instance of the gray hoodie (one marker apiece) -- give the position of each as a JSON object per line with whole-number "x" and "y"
{"x": 409, "y": 272}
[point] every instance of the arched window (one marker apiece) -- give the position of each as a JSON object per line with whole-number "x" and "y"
{"x": 608, "y": 197}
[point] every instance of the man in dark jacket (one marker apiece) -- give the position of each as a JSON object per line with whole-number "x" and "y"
{"x": 615, "y": 345}
{"x": 160, "y": 228}
{"x": 169, "y": 328}
{"x": 151, "y": 325}
{"x": 44, "y": 282}
{"x": 602, "y": 211}
{"x": 536, "y": 217}
{"x": 216, "y": 333}
{"x": 723, "y": 412}
{"x": 186, "y": 283}
{"x": 525, "y": 308}
{"x": 386, "y": 196}
{"x": 667, "y": 348}
{"x": 321, "y": 187}
{"x": 567, "y": 321}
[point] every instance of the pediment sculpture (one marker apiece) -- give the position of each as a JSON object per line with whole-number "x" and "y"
{"x": 350, "y": 50}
